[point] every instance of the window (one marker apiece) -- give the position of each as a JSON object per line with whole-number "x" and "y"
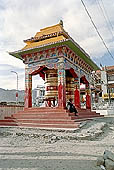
{"x": 110, "y": 77}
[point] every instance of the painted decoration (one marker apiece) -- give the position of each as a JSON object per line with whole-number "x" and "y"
{"x": 61, "y": 59}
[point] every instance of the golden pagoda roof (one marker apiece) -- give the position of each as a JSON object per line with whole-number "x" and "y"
{"x": 49, "y": 30}
{"x": 46, "y": 35}
{"x": 50, "y": 37}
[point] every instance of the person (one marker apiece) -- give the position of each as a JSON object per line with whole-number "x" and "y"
{"x": 71, "y": 107}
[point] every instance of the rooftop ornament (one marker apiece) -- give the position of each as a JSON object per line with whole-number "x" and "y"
{"x": 61, "y": 23}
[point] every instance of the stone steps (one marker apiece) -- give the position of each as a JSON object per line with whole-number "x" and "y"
{"x": 71, "y": 117}
{"x": 51, "y": 109}
{"x": 41, "y": 121}
{"x": 54, "y": 112}
{"x": 43, "y": 126}
{"x": 42, "y": 113}
{"x": 48, "y": 118}
{"x": 86, "y": 111}
{"x": 37, "y": 117}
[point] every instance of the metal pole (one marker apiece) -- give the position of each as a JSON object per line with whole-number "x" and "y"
{"x": 108, "y": 88}
{"x": 17, "y": 86}
{"x": 109, "y": 94}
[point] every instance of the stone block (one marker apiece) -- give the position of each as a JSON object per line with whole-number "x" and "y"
{"x": 108, "y": 155}
{"x": 109, "y": 164}
{"x": 100, "y": 161}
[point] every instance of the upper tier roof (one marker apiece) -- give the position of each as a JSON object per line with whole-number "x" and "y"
{"x": 46, "y": 35}
{"x": 49, "y": 30}
{"x": 49, "y": 37}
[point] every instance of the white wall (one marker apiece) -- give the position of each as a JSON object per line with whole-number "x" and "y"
{"x": 104, "y": 82}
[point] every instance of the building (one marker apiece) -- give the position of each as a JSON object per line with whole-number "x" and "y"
{"x": 107, "y": 83}
{"x": 40, "y": 96}
{"x": 61, "y": 63}
{"x": 64, "y": 66}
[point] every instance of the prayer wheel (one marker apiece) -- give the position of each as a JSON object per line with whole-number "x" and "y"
{"x": 51, "y": 84}
{"x": 69, "y": 88}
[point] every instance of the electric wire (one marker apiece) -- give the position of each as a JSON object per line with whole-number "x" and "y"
{"x": 107, "y": 15}
{"x": 106, "y": 19}
{"x": 97, "y": 29}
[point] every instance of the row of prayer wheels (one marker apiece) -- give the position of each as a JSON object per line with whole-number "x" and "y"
{"x": 51, "y": 85}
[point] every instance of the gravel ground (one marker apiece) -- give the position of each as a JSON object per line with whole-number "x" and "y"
{"x": 35, "y": 149}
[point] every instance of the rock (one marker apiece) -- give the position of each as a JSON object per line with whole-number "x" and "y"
{"x": 102, "y": 167}
{"x": 105, "y": 156}
{"x": 112, "y": 128}
{"x": 108, "y": 155}
{"x": 109, "y": 164}
{"x": 100, "y": 161}
{"x": 54, "y": 138}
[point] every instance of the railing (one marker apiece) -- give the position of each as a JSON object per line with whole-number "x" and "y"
{"x": 7, "y": 110}
{"x": 103, "y": 105}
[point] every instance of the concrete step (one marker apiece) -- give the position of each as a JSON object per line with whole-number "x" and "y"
{"x": 44, "y": 114}
{"x": 37, "y": 117}
{"x": 87, "y": 116}
{"x": 41, "y": 121}
{"x": 44, "y": 110}
{"x": 41, "y": 113}
{"x": 38, "y": 111}
{"x": 56, "y": 117}
{"x": 48, "y": 118}
{"x": 84, "y": 111}
{"x": 8, "y": 120}
{"x": 7, "y": 124}
{"x": 43, "y": 126}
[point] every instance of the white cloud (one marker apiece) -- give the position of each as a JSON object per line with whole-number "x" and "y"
{"x": 94, "y": 46}
{"x": 21, "y": 19}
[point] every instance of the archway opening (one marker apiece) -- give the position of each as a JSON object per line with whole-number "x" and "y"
{"x": 38, "y": 91}
{"x": 86, "y": 99}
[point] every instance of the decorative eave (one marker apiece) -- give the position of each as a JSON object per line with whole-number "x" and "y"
{"x": 55, "y": 34}
{"x": 68, "y": 42}
{"x": 18, "y": 53}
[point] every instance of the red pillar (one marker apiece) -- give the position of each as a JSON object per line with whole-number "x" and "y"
{"x": 61, "y": 95}
{"x": 61, "y": 85}
{"x": 28, "y": 90}
{"x": 77, "y": 98}
{"x": 88, "y": 97}
{"x": 88, "y": 101}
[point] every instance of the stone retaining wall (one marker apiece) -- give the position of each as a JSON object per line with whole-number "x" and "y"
{"x": 8, "y": 110}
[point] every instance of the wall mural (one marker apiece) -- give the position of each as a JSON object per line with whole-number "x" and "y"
{"x": 50, "y": 58}
{"x": 43, "y": 56}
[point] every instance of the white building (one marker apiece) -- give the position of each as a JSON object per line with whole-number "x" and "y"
{"x": 40, "y": 93}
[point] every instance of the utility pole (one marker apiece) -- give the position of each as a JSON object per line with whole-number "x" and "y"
{"x": 108, "y": 88}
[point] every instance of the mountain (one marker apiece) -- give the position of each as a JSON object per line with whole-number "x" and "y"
{"x": 10, "y": 95}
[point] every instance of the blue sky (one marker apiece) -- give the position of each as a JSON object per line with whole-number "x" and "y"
{"x": 21, "y": 19}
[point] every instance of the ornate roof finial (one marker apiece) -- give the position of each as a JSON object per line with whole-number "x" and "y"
{"x": 61, "y": 23}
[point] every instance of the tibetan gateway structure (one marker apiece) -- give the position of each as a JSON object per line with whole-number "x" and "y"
{"x": 63, "y": 65}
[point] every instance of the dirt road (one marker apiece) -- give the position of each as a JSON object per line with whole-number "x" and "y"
{"x": 36, "y": 149}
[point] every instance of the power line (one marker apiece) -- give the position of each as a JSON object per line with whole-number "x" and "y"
{"x": 105, "y": 17}
{"x": 97, "y": 30}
